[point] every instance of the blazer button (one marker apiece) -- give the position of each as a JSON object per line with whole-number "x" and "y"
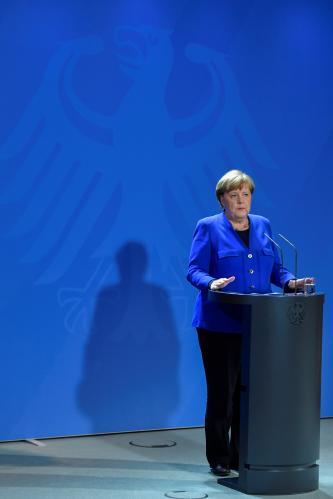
{"x": 251, "y": 271}
{"x": 250, "y": 255}
{"x": 252, "y": 286}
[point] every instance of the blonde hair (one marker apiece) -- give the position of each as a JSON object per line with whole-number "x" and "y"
{"x": 233, "y": 179}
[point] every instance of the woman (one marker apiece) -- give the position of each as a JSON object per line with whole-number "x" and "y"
{"x": 229, "y": 249}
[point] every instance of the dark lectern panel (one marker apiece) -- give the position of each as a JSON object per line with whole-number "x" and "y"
{"x": 280, "y": 397}
{"x": 285, "y": 370}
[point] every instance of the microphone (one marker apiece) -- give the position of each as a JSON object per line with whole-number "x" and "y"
{"x": 295, "y": 260}
{"x": 278, "y": 246}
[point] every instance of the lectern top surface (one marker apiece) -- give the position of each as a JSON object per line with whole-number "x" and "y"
{"x": 253, "y": 298}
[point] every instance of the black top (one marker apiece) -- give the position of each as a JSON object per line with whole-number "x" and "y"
{"x": 245, "y": 236}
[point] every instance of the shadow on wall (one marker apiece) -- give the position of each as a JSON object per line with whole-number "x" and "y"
{"x": 130, "y": 371}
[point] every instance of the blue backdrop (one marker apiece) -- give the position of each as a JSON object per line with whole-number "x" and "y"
{"x": 117, "y": 118}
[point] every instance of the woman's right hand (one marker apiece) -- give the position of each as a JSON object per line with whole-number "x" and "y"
{"x": 221, "y": 283}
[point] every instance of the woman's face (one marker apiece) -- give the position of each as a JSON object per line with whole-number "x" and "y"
{"x": 237, "y": 203}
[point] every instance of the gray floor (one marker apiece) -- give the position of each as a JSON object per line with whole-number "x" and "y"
{"x": 109, "y": 467}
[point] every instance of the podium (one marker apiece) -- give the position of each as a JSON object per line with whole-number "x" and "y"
{"x": 280, "y": 392}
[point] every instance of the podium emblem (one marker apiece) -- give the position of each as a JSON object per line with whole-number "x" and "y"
{"x": 296, "y": 314}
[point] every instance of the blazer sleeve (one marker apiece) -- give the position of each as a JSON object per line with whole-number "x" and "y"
{"x": 200, "y": 257}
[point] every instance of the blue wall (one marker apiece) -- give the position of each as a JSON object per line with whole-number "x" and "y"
{"x": 116, "y": 120}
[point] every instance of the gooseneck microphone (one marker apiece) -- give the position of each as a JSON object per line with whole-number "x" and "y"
{"x": 279, "y": 247}
{"x": 295, "y": 260}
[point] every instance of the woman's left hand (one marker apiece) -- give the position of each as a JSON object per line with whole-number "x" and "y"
{"x": 300, "y": 283}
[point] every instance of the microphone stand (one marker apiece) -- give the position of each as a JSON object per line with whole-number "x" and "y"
{"x": 295, "y": 260}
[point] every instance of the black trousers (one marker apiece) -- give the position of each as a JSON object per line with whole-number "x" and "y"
{"x": 221, "y": 355}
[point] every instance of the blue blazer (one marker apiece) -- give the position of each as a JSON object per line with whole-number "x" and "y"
{"x": 218, "y": 251}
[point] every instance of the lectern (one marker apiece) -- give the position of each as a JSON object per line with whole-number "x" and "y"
{"x": 280, "y": 392}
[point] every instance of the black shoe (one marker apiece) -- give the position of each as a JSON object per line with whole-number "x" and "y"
{"x": 220, "y": 470}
